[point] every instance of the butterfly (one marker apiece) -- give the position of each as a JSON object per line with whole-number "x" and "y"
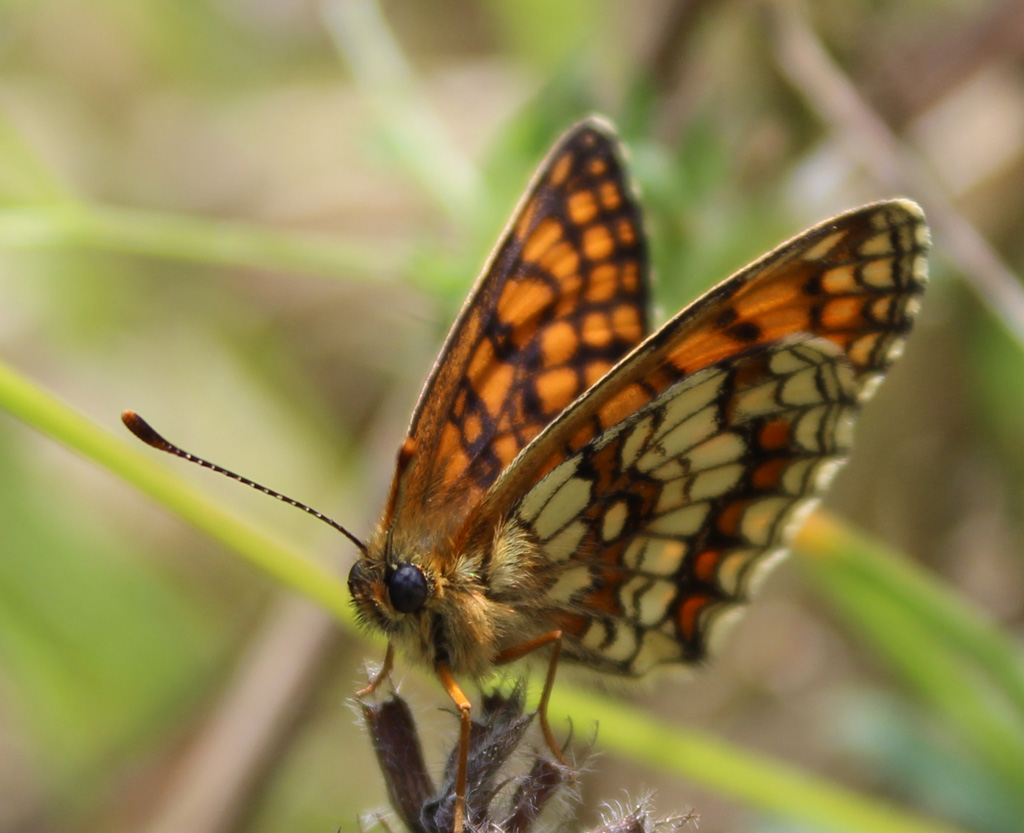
{"x": 571, "y": 480}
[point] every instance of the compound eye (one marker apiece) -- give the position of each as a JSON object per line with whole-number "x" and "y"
{"x": 356, "y": 578}
{"x": 407, "y": 588}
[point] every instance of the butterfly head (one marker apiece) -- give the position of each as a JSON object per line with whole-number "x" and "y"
{"x": 386, "y": 592}
{"x": 434, "y": 604}
{"x": 399, "y": 591}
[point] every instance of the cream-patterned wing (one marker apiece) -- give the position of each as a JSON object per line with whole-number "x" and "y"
{"x": 855, "y": 280}
{"x": 660, "y": 526}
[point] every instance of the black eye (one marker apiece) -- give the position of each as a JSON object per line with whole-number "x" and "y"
{"x": 407, "y": 588}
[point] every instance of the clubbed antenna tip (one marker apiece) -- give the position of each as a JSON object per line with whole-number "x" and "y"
{"x": 145, "y": 432}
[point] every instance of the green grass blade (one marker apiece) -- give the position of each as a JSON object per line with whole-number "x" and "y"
{"x": 761, "y": 782}
{"x": 50, "y": 416}
{"x": 175, "y": 237}
{"x": 958, "y": 663}
{"x": 412, "y": 129}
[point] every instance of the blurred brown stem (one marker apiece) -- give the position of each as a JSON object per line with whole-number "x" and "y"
{"x": 805, "y": 62}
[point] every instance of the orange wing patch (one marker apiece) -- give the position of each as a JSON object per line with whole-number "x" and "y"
{"x": 855, "y": 280}
{"x": 563, "y": 298}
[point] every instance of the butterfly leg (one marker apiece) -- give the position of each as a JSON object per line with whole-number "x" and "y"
{"x": 464, "y": 706}
{"x": 518, "y": 651}
{"x": 380, "y": 676}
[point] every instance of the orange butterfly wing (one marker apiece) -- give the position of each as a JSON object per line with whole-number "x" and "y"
{"x": 855, "y": 280}
{"x": 562, "y": 299}
{"x": 655, "y": 501}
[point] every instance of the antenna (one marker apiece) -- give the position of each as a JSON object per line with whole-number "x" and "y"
{"x": 145, "y": 432}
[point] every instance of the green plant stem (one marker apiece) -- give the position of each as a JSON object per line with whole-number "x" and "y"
{"x": 953, "y": 659}
{"x": 45, "y": 413}
{"x": 400, "y": 106}
{"x": 760, "y": 782}
{"x": 155, "y": 234}
{"x": 940, "y": 611}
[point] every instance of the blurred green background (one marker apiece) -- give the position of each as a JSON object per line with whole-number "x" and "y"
{"x": 253, "y": 221}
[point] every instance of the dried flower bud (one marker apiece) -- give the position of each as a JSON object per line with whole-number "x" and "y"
{"x": 498, "y": 800}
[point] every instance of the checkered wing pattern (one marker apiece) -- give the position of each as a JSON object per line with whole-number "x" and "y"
{"x": 665, "y": 488}
{"x": 855, "y": 280}
{"x": 563, "y": 298}
{"x": 658, "y": 529}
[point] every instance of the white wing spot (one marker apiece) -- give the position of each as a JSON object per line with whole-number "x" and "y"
{"x": 825, "y": 471}
{"x": 894, "y": 350}
{"x": 670, "y": 470}
{"x": 596, "y": 634}
{"x": 572, "y": 581}
{"x": 821, "y": 249}
{"x": 564, "y": 505}
{"x": 761, "y": 567}
{"x": 785, "y": 362}
{"x": 760, "y": 519}
{"x": 878, "y": 272}
{"x": 731, "y": 567}
{"x": 877, "y": 246}
{"x": 755, "y": 402}
{"x": 869, "y": 384}
{"x": 672, "y": 496}
{"x": 614, "y": 520}
{"x": 798, "y": 476}
{"x": 657, "y": 557}
{"x": 653, "y": 603}
{"x": 566, "y": 543}
{"x": 716, "y": 482}
{"x": 799, "y": 513}
{"x": 682, "y": 437}
{"x": 636, "y": 553}
{"x": 539, "y": 495}
{"x": 801, "y": 388}
{"x": 688, "y": 397}
{"x": 680, "y": 522}
{"x": 716, "y": 624}
{"x": 623, "y": 645}
{"x": 806, "y": 432}
{"x": 635, "y": 442}
{"x": 718, "y": 450}
{"x": 655, "y": 647}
